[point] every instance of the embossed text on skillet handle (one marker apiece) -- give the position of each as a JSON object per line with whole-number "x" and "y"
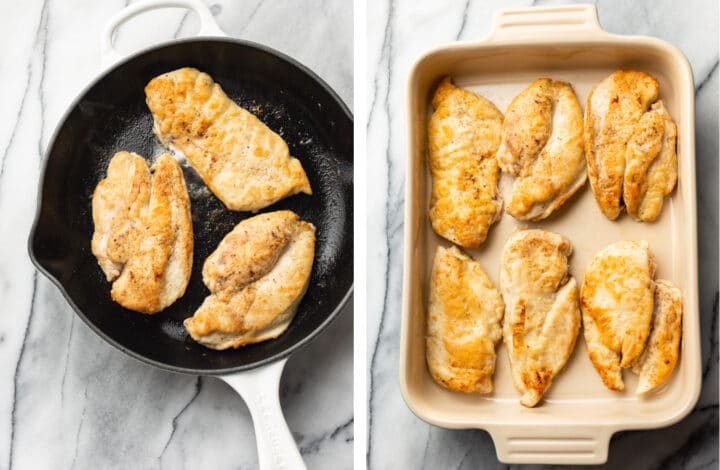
{"x": 259, "y": 388}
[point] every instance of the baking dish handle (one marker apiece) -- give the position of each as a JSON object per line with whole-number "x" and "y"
{"x": 540, "y": 444}
{"x": 554, "y": 21}
{"x": 109, "y": 55}
{"x": 259, "y": 388}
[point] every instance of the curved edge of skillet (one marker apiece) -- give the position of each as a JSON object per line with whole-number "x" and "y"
{"x": 110, "y": 115}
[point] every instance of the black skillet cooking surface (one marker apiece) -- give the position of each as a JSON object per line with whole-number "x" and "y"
{"x": 111, "y": 115}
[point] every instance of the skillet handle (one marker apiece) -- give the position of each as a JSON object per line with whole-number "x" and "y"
{"x": 574, "y": 22}
{"x": 109, "y": 55}
{"x": 259, "y": 388}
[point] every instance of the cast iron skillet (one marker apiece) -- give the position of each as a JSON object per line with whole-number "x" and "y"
{"x": 111, "y": 115}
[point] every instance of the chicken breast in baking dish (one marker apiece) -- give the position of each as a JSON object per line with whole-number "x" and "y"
{"x": 143, "y": 236}
{"x": 542, "y": 318}
{"x": 257, "y": 276}
{"x": 661, "y": 352}
{"x": 617, "y": 304}
{"x": 245, "y": 164}
{"x": 630, "y": 154}
{"x": 542, "y": 147}
{"x": 650, "y": 164}
{"x": 463, "y": 323}
{"x": 464, "y": 134}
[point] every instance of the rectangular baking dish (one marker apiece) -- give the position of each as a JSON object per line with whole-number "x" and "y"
{"x": 574, "y": 423}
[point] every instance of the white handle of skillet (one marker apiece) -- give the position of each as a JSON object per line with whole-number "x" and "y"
{"x": 260, "y": 389}
{"x": 109, "y": 55}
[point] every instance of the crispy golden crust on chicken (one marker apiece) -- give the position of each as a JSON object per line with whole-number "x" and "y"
{"x": 464, "y": 135}
{"x": 246, "y": 165}
{"x": 119, "y": 203}
{"x": 463, "y": 323}
{"x": 542, "y": 146}
{"x": 143, "y": 232}
{"x": 257, "y": 276}
{"x": 605, "y": 360}
{"x": 658, "y": 360}
{"x": 617, "y": 303}
{"x": 542, "y": 318}
{"x": 614, "y": 109}
{"x": 651, "y": 164}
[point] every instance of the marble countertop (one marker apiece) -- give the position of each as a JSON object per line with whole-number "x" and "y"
{"x": 398, "y": 33}
{"x": 68, "y": 399}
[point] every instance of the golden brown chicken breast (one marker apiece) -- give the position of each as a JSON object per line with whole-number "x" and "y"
{"x": 614, "y": 108}
{"x": 542, "y": 147}
{"x": 246, "y": 165}
{"x": 257, "y": 276}
{"x": 651, "y": 164}
{"x": 143, "y": 232}
{"x": 463, "y": 323}
{"x": 464, "y": 135}
{"x": 542, "y": 318}
{"x": 119, "y": 204}
{"x": 658, "y": 360}
{"x": 617, "y": 303}
{"x": 630, "y": 148}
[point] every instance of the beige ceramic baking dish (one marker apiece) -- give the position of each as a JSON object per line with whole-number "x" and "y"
{"x": 579, "y": 415}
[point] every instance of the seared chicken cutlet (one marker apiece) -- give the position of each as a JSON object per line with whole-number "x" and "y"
{"x": 463, "y": 323}
{"x": 542, "y": 318}
{"x": 257, "y": 276}
{"x": 658, "y": 360}
{"x": 143, "y": 236}
{"x": 614, "y": 108}
{"x": 651, "y": 164}
{"x": 464, "y": 135}
{"x": 119, "y": 205}
{"x": 617, "y": 305}
{"x": 630, "y": 148}
{"x": 245, "y": 164}
{"x": 542, "y": 146}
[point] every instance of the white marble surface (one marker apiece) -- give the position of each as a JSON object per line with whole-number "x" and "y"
{"x": 68, "y": 399}
{"x": 398, "y": 32}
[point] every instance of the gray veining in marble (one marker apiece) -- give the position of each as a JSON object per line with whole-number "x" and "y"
{"x": 68, "y": 399}
{"x": 398, "y": 32}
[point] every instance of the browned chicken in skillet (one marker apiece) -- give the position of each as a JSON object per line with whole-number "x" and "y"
{"x": 257, "y": 276}
{"x": 143, "y": 236}
{"x": 245, "y": 163}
